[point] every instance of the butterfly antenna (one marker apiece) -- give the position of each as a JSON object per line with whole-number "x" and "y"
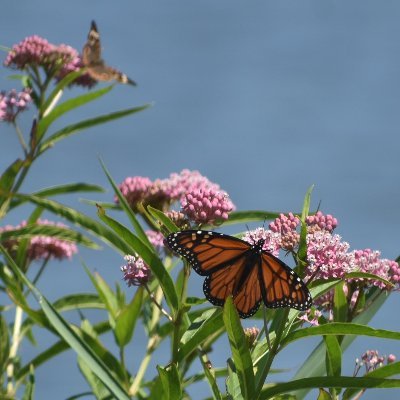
{"x": 266, "y": 328}
{"x": 319, "y": 206}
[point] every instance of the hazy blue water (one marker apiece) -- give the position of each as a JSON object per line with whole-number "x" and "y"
{"x": 265, "y": 98}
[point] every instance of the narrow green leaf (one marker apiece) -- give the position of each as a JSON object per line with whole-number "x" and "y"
{"x": 59, "y": 232}
{"x": 30, "y": 386}
{"x": 242, "y": 217}
{"x": 233, "y": 389}
{"x": 333, "y": 355}
{"x": 78, "y": 301}
{"x": 328, "y": 382}
{"x": 68, "y": 79}
{"x": 340, "y": 305}
{"x": 105, "y": 293}
{"x": 126, "y": 319}
{"x": 200, "y": 330}
{"x": 149, "y": 257}
{"x": 85, "y": 124}
{"x": 99, "y": 390}
{"x": 170, "y": 381}
{"x": 160, "y": 216}
{"x": 366, "y": 275}
{"x": 61, "y": 189}
{"x": 381, "y": 372}
{"x": 302, "y": 253}
{"x": 128, "y": 211}
{"x": 68, "y": 334}
{"x": 6, "y": 182}
{"x": 4, "y": 343}
{"x": 240, "y": 350}
{"x": 68, "y": 105}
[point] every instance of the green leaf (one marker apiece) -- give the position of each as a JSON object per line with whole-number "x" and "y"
{"x": 30, "y": 386}
{"x": 78, "y": 300}
{"x": 340, "y": 305}
{"x": 4, "y": 343}
{"x": 366, "y": 275}
{"x": 105, "y": 293}
{"x": 333, "y": 355}
{"x": 242, "y": 217}
{"x": 61, "y": 189}
{"x": 240, "y": 349}
{"x": 69, "y": 335}
{"x": 323, "y": 395}
{"x": 233, "y": 389}
{"x": 6, "y": 183}
{"x": 68, "y": 105}
{"x": 381, "y": 372}
{"x": 85, "y": 124}
{"x": 170, "y": 381}
{"x": 128, "y": 211}
{"x": 30, "y": 231}
{"x": 200, "y": 330}
{"x": 302, "y": 253}
{"x": 332, "y": 382}
{"x": 126, "y": 319}
{"x": 99, "y": 390}
{"x": 339, "y": 328}
{"x": 160, "y": 216}
{"x": 149, "y": 257}
{"x": 68, "y": 79}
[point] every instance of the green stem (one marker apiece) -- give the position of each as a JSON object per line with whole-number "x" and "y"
{"x": 16, "y": 338}
{"x": 38, "y": 275}
{"x": 155, "y": 302}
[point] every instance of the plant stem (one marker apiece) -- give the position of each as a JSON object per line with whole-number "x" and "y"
{"x": 155, "y": 302}
{"x": 14, "y": 349}
{"x": 21, "y": 138}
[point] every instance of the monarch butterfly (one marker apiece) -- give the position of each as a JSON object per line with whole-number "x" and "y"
{"x": 91, "y": 58}
{"x": 245, "y": 271}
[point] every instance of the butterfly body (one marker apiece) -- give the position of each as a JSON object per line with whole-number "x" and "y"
{"x": 96, "y": 68}
{"x": 245, "y": 271}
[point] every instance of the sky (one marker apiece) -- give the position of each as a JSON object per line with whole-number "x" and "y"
{"x": 265, "y": 98}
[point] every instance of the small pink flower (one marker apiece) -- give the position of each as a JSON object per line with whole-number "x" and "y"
{"x": 251, "y": 335}
{"x": 136, "y": 271}
{"x": 12, "y": 103}
{"x": 319, "y": 222}
{"x": 206, "y": 206}
{"x": 391, "y": 358}
{"x": 311, "y": 316}
{"x": 156, "y": 239}
{"x": 369, "y": 261}
{"x": 271, "y": 239}
{"x": 135, "y": 189}
{"x": 35, "y": 51}
{"x": 327, "y": 256}
{"x": 286, "y": 226}
{"x": 178, "y": 218}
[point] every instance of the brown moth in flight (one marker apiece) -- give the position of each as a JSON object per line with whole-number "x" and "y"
{"x": 96, "y": 68}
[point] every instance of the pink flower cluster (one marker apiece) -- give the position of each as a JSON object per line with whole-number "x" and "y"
{"x": 321, "y": 222}
{"x": 202, "y": 201}
{"x": 136, "y": 271}
{"x": 35, "y": 51}
{"x": 286, "y": 227}
{"x": 371, "y": 360}
{"x": 156, "y": 239}
{"x": 272, "y": 240}
{"x": 12, "y": 103}
{"x": 42, "y": 247}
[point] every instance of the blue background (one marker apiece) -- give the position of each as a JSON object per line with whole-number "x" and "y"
{"x": 265, "y": 98}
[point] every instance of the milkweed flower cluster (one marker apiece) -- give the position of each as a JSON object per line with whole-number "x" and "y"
{"x": 41, "y": 247}
{"x": 58, "y": 60}
{"x": 136, "y": 271}
{"x": 251, "y": 335}
{"x": 272, "y": 242}
{"x": 201, "y": 200}
{"x": 12, "y": 103}
{"x": 371, "y": 360}
{"x": 156, "y": 239}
